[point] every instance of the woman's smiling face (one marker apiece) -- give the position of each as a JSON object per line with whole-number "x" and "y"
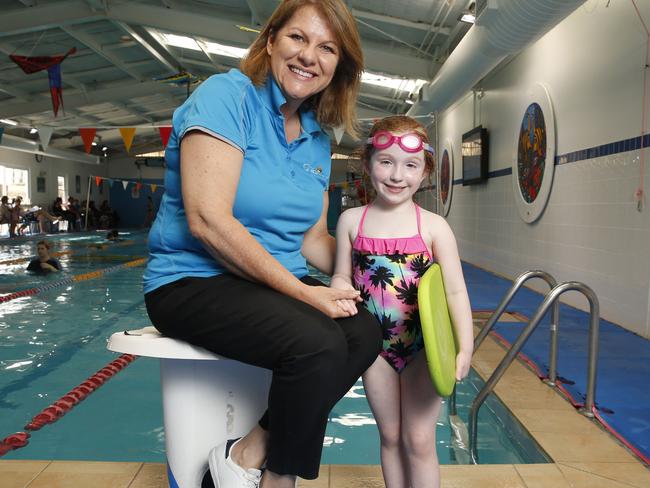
{"x": 304, "y": 55}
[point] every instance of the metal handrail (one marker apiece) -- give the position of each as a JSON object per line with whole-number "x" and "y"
{"x": 549, "y": 300}
{"x": 516, "y": 285}
{"x": 555, "y": 317}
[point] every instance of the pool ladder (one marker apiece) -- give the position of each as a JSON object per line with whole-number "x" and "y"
{"x": 550, "y": 300}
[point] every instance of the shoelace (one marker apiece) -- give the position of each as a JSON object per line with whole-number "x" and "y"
{"x": 252, "y": 479}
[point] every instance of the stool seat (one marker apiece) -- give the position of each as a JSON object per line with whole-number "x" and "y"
{"x": 149, "y": 342}
{"x": 207, "y": 399}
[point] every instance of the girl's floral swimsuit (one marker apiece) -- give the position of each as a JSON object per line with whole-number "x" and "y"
{"x": 387, "y": 273}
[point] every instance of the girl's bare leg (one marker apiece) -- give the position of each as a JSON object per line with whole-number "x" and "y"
{"x": 420, "y": 410}
{"x": 382, "y": 385}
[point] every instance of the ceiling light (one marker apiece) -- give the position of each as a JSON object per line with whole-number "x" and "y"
{"x": 467, "y": 17}
{"x": 33, "y": 130}
{"x": 8, "y": 121}
{"x": 409, "y": 101}
{"x": 104, "y": 148}
{"x": 94, "y": 143}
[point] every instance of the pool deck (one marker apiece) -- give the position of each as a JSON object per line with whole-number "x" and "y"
{"x": 584, "y": 455}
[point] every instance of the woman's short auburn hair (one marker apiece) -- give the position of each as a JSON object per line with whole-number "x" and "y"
{"x": 336, "y": 105}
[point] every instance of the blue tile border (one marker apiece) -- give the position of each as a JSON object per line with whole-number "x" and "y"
{"x": 616, "y": 147}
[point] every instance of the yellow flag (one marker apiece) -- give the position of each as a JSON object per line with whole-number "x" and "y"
{"x": 127, "y": 136}
{"x": 153, "y": 187}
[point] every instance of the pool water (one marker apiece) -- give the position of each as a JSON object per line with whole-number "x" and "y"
{"x": 52, "y": 341}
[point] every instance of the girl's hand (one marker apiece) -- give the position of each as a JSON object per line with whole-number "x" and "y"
{"x": 463, "y": 363}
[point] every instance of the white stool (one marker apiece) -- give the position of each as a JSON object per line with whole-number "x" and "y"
{"x": 206, "y": 399}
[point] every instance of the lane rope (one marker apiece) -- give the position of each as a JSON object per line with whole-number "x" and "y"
{"x": 73, "y": 279}
{"x": 67, "y": 402}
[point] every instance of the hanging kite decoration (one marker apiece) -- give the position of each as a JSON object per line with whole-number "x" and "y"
{"x": 33, "y": 64}
{"x": 181, "y": 78}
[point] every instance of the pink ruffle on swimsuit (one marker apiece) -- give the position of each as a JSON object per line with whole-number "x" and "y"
{"x": 387, "y": 273}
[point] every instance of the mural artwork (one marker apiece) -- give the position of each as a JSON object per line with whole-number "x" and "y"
{"x": 445, "y": 180}
{"x": 531, "y": 153}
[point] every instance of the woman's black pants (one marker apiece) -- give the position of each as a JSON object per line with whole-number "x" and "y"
{"x": 315, "y": 360}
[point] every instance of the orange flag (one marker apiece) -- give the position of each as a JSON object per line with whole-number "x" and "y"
{"x": 127, "y": 136}
{"x": 87, "y": 135}
{"x": 165, "y": 132}
{"x": 98, "y": 180}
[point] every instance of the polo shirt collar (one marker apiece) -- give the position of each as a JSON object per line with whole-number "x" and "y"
{"x": 273, "y": 98}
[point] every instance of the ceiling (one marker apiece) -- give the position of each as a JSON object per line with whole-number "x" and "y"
{"x": 114, "y": 78}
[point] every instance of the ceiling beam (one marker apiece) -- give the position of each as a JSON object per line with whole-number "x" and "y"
{"x": 119, "y": 91}
{"x": 158, "y": 51}
{"x": 46, "y": 16}
{"x": 95, "y": 46}
{"x": 387, "y": 19}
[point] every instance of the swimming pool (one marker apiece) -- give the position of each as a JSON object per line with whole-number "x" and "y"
{"x": 52, "y": 341}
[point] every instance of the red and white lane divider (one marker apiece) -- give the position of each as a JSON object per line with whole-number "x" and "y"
{"x": 63, "y": 405}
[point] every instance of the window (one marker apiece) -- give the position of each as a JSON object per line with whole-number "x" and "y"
{"x": 14, "y": 182}
{"x": 60, "y": 187}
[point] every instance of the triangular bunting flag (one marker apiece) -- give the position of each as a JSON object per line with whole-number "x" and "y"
{"x": 44, "y": 134}
{"x": 98, "y": 180}
{"x": 127, "y": 136}
{"x": 125, "y": 184}
{"x": 338, "y": 133}
{"x": 2, "y": 130}
{"x": 138, "y": 185}
{"x": 110, "y": 183}
{"x": 165, "y": 132}
{"x": 154, "y": 187}
{"x": 87, "y": 135}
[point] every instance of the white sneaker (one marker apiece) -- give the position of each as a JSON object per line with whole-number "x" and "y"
{"x": 226, "y": 473}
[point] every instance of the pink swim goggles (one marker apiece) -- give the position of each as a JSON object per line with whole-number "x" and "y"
{"x": 410, "y": 142}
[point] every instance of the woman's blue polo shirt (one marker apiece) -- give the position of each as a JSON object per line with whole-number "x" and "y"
{"x": 280, "y": 192}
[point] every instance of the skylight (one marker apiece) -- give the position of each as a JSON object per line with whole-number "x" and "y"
{"x": 402, "y": 84}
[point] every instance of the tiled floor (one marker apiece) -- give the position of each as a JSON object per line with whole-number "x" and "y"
{"x": 584, "y": 455}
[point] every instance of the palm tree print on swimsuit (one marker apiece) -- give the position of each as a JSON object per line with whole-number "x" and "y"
{"x": 388, "y": 285}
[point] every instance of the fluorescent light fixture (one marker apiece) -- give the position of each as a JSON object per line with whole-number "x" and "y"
{"x": 153, "y": 154}
{"x": 402, "y": 84}
{"x": 8, "y": 121}
{"x": 468, "y": 18}
{"x": 408, "y": 101}
{"x": 212, "y": 47}
{"x": 33, "y": 130}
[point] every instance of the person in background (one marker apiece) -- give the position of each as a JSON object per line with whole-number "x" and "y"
{"x": 244, "y": 211}
{"x": 6, "y": 215}
{"x": 151, "y": 212}
{"x": 44, "y": 263}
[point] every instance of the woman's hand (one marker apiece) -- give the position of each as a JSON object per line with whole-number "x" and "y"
{"x": 342, "y": 283}
{"x": 332, "y": 302}
{"x": 463, "y": 362}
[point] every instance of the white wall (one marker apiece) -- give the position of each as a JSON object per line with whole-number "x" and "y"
{"x": 591, "y": 231}
{"x": 50, "y": 168}
{"x": 126, "y": 168}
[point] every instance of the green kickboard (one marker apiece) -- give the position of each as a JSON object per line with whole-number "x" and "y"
{"x": 437, "y": 331}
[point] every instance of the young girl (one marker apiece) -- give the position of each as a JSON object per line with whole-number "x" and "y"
{"x": 383, "y": 249}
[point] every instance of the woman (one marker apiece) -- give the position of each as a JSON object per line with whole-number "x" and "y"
{"x": 244, "y": 209}
{"x": 44, "y": 263}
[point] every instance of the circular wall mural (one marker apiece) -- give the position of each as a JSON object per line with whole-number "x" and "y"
{"x": 531, "y": 154}
{"x": 446, "y": 174}
{"x": 534, "y": 158}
